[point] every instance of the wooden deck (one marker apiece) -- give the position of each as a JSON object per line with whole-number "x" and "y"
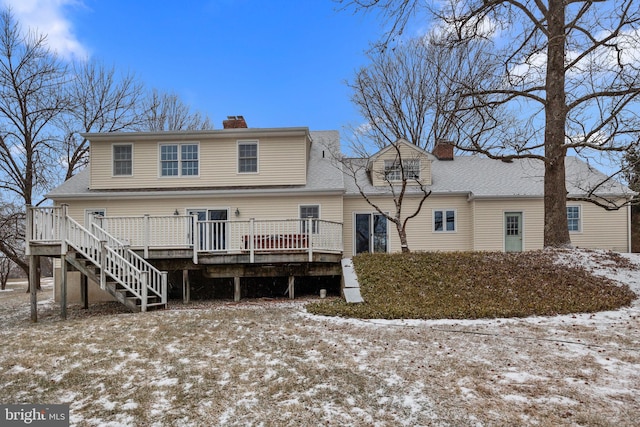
{"x": 130, "y": 256}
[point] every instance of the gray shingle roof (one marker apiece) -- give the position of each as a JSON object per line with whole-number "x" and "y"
{"x": 483, "y": 177}
{"x": 473, "y": 175}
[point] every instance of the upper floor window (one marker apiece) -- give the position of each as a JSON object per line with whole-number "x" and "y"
{"x": 179, "y": 160}
{"x": 393, "y": 171}
{"x": 573, "y": 218}
{"x": 444, "y": 220}
{"x": 310, "y": 211}
{"x": 122, "y": 160}
{"x": 248, "y": 157}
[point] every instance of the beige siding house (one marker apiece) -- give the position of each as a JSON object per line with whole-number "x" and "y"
{"x": 475, "y": 203}
{"x": 241, "y": 202}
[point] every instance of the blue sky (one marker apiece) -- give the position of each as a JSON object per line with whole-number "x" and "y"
{"x": 277, "y": 62}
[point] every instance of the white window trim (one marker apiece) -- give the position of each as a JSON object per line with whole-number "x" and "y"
{"x": 579, "y": 230}
{"x": 444, "y": 220}
{"x": 178, "y": 144}
{"x": 248, "y": 141}
{"x": 113, "y": 160}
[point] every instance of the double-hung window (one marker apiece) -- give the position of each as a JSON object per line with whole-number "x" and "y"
{"x": 393, "y": 171}
{"x": 248, "y": 157}
{"x": 444, "y": 220}
{"x": 122, "y": 160}
{"x": 310, "y": 211}
{"x": 179, "y": 160}
{"x": 573, "y": 218}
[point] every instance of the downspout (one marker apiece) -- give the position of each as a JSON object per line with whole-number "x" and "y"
{"x": 629, "y": 228}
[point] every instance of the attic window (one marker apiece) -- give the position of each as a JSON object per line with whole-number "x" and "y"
{"x": 393, "y": 171}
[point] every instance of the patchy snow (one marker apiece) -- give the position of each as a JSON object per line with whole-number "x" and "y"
{"x": 272, "y": 363}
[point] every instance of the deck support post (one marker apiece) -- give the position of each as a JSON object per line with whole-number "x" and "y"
{"x": 147, "y": 237}
{"x": 84, "y": 291}
{"x": 252, "y": 256}
{"x": 33, "y": 278}
{"x": 309, "y": 236}
{"x": 292, "y": 287}
{"x": 64, "y": 268}
{"x": 196, "y": 237}
{"x": 236, "y": 289}
{"x": 186, "y": 287}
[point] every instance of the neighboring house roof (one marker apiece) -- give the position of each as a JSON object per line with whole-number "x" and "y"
{"x": 322, "y": 176}
{"x": 482, "y": 177}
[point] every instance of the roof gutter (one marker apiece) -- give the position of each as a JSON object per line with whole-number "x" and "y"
{"x": 191, "y": 135}
{"x": 193, "y": 193}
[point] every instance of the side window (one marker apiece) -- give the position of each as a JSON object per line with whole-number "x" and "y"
{"x": 444, "y": 220}
{"x": 310, "y": 211}
{"x": 248, "y": 157}
{"x": 573, "y": 218}
{"x": 123, "y": 160}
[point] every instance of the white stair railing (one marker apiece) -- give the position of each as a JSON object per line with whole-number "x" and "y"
{"x": 111, "y": 256}
{"x": 157, "y": 280}
{"x": 110, "y": 262}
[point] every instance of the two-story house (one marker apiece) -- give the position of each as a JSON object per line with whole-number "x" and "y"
{"x": 241, "y": 202}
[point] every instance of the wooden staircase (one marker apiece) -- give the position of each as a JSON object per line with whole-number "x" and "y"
{"x": 120, "y": 292}
{"x": 127, "y": 276}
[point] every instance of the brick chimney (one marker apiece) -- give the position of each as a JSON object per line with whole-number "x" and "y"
{"x": 443, "y": 150}
{"x": 234, "y": 122}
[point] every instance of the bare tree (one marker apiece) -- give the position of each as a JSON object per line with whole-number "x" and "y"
{"x": 31, "y": 97}
{"x": 5, "y": 271}
{"x": 401, "y": 176}
{"x": 414, "y": 91}
{"x": 100, "y": 101}
{"x": 166, "y": 111}
{"x": 12, "y": 235}
{"x": 572, "y": 67}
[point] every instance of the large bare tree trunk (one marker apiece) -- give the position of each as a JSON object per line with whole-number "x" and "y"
{"x": 556, "y": 231}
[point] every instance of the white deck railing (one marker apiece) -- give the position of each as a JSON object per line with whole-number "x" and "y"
{"x": 53, "y": 225}
{"x": 186, "y": 232}
{"x": 221, "y": 236}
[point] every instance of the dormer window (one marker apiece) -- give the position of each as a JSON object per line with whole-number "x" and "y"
{"x": 393, "y": 171}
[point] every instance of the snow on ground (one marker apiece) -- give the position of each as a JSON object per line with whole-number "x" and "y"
{"x": 272, "y": 363}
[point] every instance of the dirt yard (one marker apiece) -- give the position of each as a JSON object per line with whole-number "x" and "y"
{"x": 270, "y": 363}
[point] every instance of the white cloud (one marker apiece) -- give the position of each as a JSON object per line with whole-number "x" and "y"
{"x": 47, "y": 17}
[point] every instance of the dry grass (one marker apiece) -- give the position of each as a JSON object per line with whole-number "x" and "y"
{"x": 269, "y": 362}
{"x": 473, "y": 285}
